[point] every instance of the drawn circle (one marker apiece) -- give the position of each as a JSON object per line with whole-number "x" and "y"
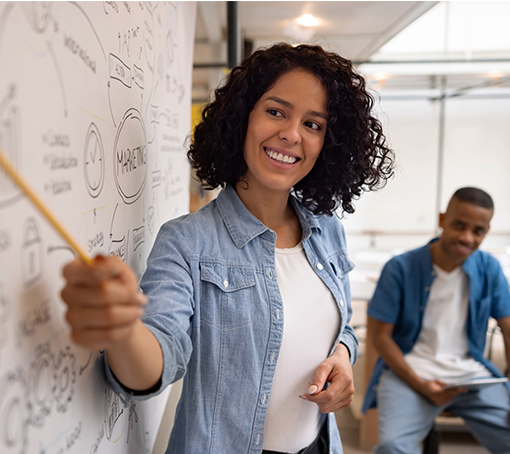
{"x": 94, "y": 162}
{"x": 130, "y": 157}
{"x": 64, "y": 380}
{"x": 65, "y": 377}
{"x": 38, "y": 15}
{"x": 4, "y": 306}
{"x": 13, "y": 431}
{"x": 9, "y": 141}
{"x": 42, "y": 384}
{"x": 42, "y": 387}
{"x": 14, "y": 412}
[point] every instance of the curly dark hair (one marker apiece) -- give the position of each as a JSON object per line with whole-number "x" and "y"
{"x": 354, "y": 157}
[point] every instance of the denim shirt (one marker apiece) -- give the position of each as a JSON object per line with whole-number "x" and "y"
{"x": 216, "y": 310}
{"x": 401, "y": 296}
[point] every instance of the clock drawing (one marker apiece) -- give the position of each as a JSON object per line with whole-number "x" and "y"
{"x": 94, "y": 165}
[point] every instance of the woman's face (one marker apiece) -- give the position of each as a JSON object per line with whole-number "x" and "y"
{"x": 286, "y": 131}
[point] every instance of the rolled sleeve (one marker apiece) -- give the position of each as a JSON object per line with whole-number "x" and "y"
{"x": 501, "y": 295}
{"x": 350, "y": 340}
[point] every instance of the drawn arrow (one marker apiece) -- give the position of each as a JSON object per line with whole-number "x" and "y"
{"x": 113, "y": 218}
{"x": 7, "y": 99}
{"x": 52, "y": 249}
{"x": 60, "y": 78}
{"x": 110, "y": 104}
{"x": 91, "y": 26}
{"x": 3, "y": 19}
{"x": 82, "y": 368}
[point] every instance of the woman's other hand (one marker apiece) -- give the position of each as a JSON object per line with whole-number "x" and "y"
{"x": 337, "y": 371}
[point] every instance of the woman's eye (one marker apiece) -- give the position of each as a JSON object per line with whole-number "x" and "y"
{"x": 274, "y": 112}
{"x": 312, "y": 125}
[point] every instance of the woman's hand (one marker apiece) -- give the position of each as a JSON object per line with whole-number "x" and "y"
{"x": 337, "y": 371}
{"x": 104, "y": 304}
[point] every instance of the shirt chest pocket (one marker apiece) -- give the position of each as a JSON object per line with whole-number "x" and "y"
{"x": 341, "y": 266}
{"x": 226, "y": 295}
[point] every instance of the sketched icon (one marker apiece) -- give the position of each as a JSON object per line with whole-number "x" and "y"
{"x": 130, "y": 157}
{"x": 93, "y": 162}
{"x": 65, "y": 377}
{"x": 31, "y": 253}
{"x": 14, "y": 413}
{"x": 5, "y": 309}
{"x": 42, "y": 384}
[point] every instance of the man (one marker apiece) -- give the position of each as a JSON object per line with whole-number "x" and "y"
{"x": 429, "y": 313}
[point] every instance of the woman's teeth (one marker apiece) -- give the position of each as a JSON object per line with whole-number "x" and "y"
{"x": 284, "y": 159}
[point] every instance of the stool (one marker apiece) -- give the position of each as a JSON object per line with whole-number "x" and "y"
{"x": 431, "y": 442}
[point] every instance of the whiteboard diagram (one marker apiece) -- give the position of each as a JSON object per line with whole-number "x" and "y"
{"x": 95, "y": 110}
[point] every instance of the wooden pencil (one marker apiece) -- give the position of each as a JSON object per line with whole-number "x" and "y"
{"x": 29, "y": 192}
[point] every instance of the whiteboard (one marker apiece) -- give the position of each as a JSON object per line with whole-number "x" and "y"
{"x": 95, "y": 107}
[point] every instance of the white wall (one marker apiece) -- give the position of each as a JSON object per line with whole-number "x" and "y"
{"x": 403, "y": 215}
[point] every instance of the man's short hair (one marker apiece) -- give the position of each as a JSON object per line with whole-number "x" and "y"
{"x": 474, "y": 196}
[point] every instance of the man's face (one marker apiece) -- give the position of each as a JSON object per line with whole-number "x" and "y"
{"x": 464, "y": 227}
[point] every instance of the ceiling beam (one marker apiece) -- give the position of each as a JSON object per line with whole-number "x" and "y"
{"x": 211, "y": 20}
{"x": 396, "y": 27}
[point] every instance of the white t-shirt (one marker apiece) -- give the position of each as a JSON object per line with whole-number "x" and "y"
{"x": 441, "y": 351}
{"x": 311, "y": 323}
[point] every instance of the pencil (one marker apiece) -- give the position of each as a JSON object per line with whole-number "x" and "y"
{"x": 29, "y": 192}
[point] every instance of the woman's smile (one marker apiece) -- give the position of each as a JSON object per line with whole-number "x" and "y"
{"x": 281, "y": 156}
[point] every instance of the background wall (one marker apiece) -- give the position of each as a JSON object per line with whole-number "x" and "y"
{"x": 94, "y": 110}
{"x": 403, "y": 215}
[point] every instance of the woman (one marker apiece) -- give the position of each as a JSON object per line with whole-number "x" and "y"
{"x": 249, "y": 298}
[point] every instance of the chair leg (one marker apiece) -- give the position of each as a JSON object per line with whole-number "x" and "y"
{"x": 431, "y": 442}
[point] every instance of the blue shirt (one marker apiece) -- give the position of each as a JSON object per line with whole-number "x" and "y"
{"x": 215, "y": 308}
{"x": 402, "y": 293}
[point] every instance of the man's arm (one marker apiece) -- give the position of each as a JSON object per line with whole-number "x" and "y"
{"x": 504, "y": 325}
{"x": 392, "y": 355}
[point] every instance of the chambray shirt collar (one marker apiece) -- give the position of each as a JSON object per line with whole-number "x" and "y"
{"x": 243, "y": 226}
{"x": 469, "y": 265}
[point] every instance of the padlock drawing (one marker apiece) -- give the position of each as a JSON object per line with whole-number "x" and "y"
{"x": 31, "y": 254}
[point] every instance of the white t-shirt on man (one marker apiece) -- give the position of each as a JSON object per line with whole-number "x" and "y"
{"x": 441, "y": 351}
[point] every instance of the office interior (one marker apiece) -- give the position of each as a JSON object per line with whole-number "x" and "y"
{"x": 440, "y": 76}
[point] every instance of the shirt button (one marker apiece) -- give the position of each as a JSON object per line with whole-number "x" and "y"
{"x": 342, "y": 303}
{"x": 225, "y": 283}
{"x": 270, "y": 274}
{"x": 319, "y": 266}
{"x": 427, "y": 288}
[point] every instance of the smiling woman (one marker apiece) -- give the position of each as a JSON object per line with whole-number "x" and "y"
{"x": 354, "y": 156}
{"x": 249, "y": 298}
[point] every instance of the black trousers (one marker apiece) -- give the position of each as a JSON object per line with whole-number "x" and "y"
{"x": 319, "y": 446}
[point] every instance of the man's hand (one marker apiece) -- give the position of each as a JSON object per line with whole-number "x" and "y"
{"x": 434, "y": 391}
{"x": 337, "y": 371}
{"x": 104, "y": 305}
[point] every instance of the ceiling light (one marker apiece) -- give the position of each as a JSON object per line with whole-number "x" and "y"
{"x": 307, "y": 20}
